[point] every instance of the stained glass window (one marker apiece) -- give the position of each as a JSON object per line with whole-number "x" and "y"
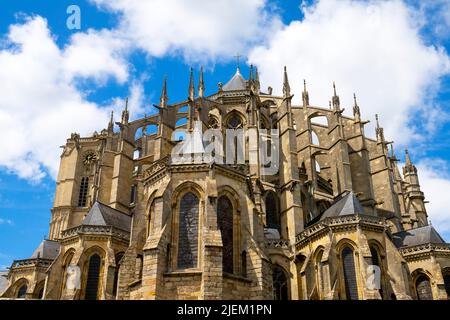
{"x": 272, "y": 214}
{"x": 93, "y": 277}
{"x": 82, "y": 196}
{"x": 188, "y": 231}
{"x": 280, "y": 285}
{"x": 225, "y": 223}
{"x": 351, "y": 286}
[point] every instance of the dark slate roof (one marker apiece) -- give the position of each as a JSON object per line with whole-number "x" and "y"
{"x": 235, "y": 83}
{"x": 348, "y": 204}
{"x": 414, "y": 237}
{"x": 48, "y": 249}
{"x": 103, "y": 215}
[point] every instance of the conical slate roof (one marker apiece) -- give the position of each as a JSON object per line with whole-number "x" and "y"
{"x": 103, "y": 215}
{"x": 417, "y": 236}
{"x": 47, "y": 249}
{"x": 235, "y": 83}
{"x": 349, "y": 204}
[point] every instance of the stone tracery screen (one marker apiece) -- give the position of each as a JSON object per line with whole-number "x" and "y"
{"x": 188, "y": 231}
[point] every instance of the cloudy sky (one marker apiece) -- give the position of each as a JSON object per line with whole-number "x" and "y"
{"x": 55, "y": 80}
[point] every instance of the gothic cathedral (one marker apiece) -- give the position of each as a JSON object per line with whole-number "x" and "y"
{"x": 337, "y": 220}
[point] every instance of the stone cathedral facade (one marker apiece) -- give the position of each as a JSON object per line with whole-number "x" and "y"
{"x": 128, "y": 222}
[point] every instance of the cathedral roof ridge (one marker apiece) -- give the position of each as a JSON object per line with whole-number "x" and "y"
{"x": 237, "y": 82}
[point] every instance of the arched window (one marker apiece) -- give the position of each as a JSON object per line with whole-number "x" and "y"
{"x": 423, "y": 288}
{"x": 321, "y": 120}
{"x": 225, "y": 224}
{"x": 376, "y": 261}
{"x": 235, "y": 122}
{"x": 188, "y": 231}
{"x": 21, "y": 294}
{"x": 272, "y": 214}
{"x": 314, "y": 138}
{"x": 41, "y": 293}
{"x": 93, "y": 277}
{"x": 447, "y": 283}
{"x": 280, "y": 284}
{"x": 118, "y": 259}
{"x": 319, "y": 274}
{"x": 348, "y": 262}
{"x": 82, "y": 196}
{"x": 244, "y": 263}
{"x": 213, "y": 123}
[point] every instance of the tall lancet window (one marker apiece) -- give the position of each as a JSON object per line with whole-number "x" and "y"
{"x": 350, "y": 282}
{"x": 225, "y": 224}
{"x": 82, "y": 196}
{"x": 273, "y": 220}
{"x": 188, "y": 232}
{"x": 93, "y": 277}
{"x": 280, "y": 284}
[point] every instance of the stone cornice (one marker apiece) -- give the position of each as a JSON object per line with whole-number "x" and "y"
{"x": 340, "y": 223}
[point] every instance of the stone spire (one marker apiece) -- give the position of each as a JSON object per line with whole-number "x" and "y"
{"x": 379, "y": 130}
{"x": 257, "y": 83}
{"x": 111, "y": 122}
{"x": 250, "y": 78}
{"x": 191, "y": 86}
{"x": 125, "y": 114}
{"x": 356, "y": 110}
{"x": 286, "y": 87}
{"x": 201, "y": 85}
{"x": 409, "y": 166}
{"x": 305, "y": 94}
{"x": 393, "y": 157}
{"x": 164, "y": 98}
{"x": 336, "y": 101}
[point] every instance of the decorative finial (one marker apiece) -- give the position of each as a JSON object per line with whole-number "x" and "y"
{"x": 201, "y": 85}
{"x": 305, "y": 94}
{"x": 378, "y": 122}
{"x": 251, "y": 73}
{"x": 356, "y": 110}
{"x": 286, "y": 87}
{"x": 335, "y": 99}
{"x": 191, "y": 86}
{"x": 408, "y": 158}
{"x": 164, "y": 98}
{"x": 111, "y": 122}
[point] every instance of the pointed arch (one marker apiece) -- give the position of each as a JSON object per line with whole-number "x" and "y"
{"x": 349, "y": 268}
{"x": 225, "y": 225}
{"x": 93, "y": 277}
{"x": 423, "y": 287}
{"x": 280, "y": 283}
{"x": 273, "y": 219}
{"x": 188, "y": 231}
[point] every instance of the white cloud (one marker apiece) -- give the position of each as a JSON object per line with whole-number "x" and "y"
{"x": 434, "y": 179}
{"x": 97, "y": 54}
{"x": 40, "y": 104}
{"x": 372, "y": 48}
{"x": 198, "y": 29}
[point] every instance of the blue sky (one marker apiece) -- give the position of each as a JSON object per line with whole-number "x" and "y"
{"x": 393, "y": 54}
